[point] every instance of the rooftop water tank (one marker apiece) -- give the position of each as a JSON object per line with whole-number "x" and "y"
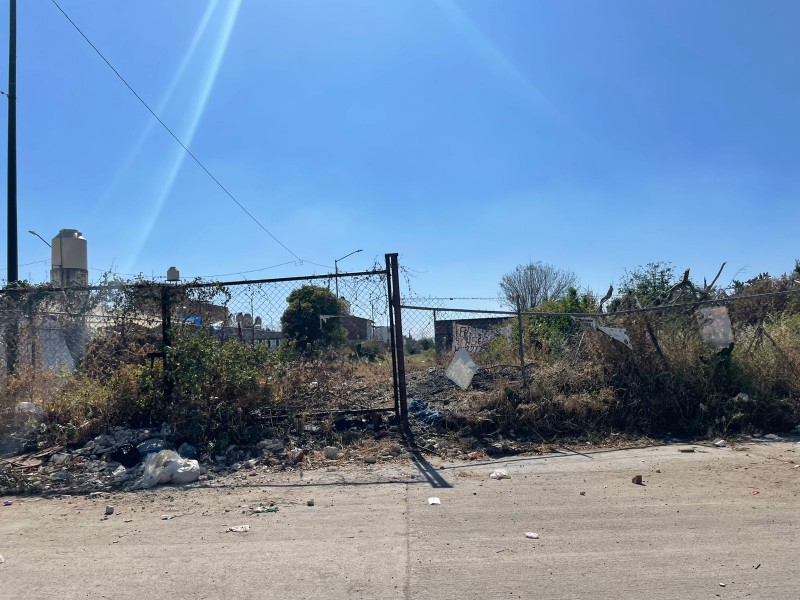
{"x": 70, "y": 262}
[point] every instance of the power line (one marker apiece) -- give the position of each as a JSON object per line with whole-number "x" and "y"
{"x": 175, "y": 137}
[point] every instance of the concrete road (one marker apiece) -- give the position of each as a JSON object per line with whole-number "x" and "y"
{"x": 716, "y": 516}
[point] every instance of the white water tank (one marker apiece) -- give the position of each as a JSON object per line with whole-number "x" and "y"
{"x": 69, "y": 258}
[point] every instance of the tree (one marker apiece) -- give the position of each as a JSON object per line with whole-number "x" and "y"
{"x": 645, "y": 284}
{"x": 312, "y": 317}
{"x": 535, "y": 283}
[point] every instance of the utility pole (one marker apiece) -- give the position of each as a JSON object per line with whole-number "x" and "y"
{"x": 13, "y": 259}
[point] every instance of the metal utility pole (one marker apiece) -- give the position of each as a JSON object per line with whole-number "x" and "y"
{"x": 13, "y": 260}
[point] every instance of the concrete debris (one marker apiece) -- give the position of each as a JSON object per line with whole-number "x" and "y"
{"x": 270, "y": 445}
{"x": 532, "y": 535}
{"x": 637, "y": 479}
{"x": 238, "y": 529}
{"x": 331, "y": 453}
{"x": 500, "y": 474}
{"x": 434, "y": 501}
{"x": 109, "y": 510}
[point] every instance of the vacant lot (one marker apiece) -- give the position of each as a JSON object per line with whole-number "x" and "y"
{"x": 702, "y": 519}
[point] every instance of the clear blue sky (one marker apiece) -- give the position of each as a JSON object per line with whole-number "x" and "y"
{"x": 467, "y": 136}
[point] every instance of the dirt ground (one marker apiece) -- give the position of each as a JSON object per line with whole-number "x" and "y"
{"x": 702, "y": 519}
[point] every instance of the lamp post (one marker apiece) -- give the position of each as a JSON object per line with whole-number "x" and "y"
{"x": 336, "y": 267}
{"x": 32, "y": 232}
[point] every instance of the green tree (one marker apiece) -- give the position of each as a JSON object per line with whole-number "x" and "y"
{"x": 647, "y": 283}
{"x": 312, "y": 317}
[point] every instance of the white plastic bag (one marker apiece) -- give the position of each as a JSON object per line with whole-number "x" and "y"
{"x": 168, "y": 466}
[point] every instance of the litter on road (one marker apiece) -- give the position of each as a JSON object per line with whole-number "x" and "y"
{"x": 8, "y": 502}
{"x": 266, "y": 509}
{"x": 500, "y": 474}
{"x": 532, "y": 535}
{"x": 434, "y": 500}
{"x": 239, "y": 529}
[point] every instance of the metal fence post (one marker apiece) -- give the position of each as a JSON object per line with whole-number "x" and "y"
{"x": 398, "y": 336}
{"x": 392, "y": 341}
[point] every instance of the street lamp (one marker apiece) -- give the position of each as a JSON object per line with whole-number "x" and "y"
{"x": 32, "y": 232}
{"x": 336, "y": 267}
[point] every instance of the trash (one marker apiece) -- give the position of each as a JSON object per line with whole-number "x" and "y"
{"x": 420, "y": 410}
{"x": 150, "y": 446}
{"x": 500, "y": 474}
{"x": 187, "y": 451}
{"x": 619, "y": 334}
{"x": 434, "y": 500}
{"x": 721, "y": 584}
{"x": 8, "y": 502}
{"x": 715, "y": 326}
{"x": 238, "y": 529}
{"x": 270, "y": 445}
{"x": 331, "y": 452}
{"x": 685, "y": 450}
{"x": 532, "y": 535}
{"x": 583, "y": 493}
{"x": 461, "y": 369}
{"x": 127, "y": 455}
{"x": 249, "y": 464}
{"x": 2, "y": 560}
{"x": 167, "y": 517}
{"x": 167, "y": 466}
{"x": 266, "y": 509}
{"x": 720, "y": 443}
{"x": 310, "y": 502}
{"x": 772, "y": 437}
{"x": 109, "y": 510}
{"x": 758, "y": 565}
{"x": 755, "y": 493}
{"x": 120, "y": 471}
{"x": 637, "y": 480}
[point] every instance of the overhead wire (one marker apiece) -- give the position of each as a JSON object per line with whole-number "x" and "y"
{"x": 177, "y": 139}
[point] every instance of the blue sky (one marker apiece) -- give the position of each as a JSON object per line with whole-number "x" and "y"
{"x": 467, "y": 136}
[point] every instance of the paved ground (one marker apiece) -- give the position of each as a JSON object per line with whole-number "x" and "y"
{"x": 704, "y": 518}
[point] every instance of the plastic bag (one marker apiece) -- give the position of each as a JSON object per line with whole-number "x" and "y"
{"x": 168, "y": 466}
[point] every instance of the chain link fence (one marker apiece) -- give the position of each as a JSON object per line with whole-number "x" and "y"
{"x": 176, "y": 337}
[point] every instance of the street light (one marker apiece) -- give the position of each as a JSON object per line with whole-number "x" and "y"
{"x": 336, "y": 267}
{"x": 32, "y": 232}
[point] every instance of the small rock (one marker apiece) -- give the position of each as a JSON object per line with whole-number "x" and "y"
{"x": 637, "y": 480}
{"x": 109, "y": 510}
{"x": 721, "y": 584}
{"x": 62, "y": 475}
{"x": 270, "y": 445}
{"x": 310, "y": 503}
{"x": 249, "y": 464}
{"x": 59, "y": 459}
{"x": 583, "y": 493}
{"x": 370, "y": 460}
{"x": 331, "y": 453}
{"x": 119, "y": 471}
{"x": 772, "y": 437}
{"x": 297, "y": 456}
{"x": 720, "y": 443}
{"x": 532, "y": 535}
